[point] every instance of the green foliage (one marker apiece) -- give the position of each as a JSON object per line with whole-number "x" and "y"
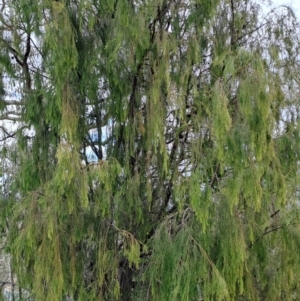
{"x": 155, "y": 150}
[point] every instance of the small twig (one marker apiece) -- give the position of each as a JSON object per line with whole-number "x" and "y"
{"x": 267, "y": 231}
{"x": 275, "y": 213}
{"x": 215, "y": 177}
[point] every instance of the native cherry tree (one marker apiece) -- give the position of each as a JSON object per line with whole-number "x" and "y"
{"x": 150, "y": 149}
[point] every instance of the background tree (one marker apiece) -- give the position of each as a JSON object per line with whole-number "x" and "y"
{"x": 153, "y": 149}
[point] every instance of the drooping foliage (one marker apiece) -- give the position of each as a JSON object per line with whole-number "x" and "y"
{"x": 150, "y": 149}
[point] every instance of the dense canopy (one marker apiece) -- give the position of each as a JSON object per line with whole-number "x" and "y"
{"x": 149, "y": 150}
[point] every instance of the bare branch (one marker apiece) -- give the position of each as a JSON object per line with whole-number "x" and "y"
{"x": 3, "y": 6}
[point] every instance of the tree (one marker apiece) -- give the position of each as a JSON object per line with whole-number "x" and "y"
{"x": 190, "y": 109}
